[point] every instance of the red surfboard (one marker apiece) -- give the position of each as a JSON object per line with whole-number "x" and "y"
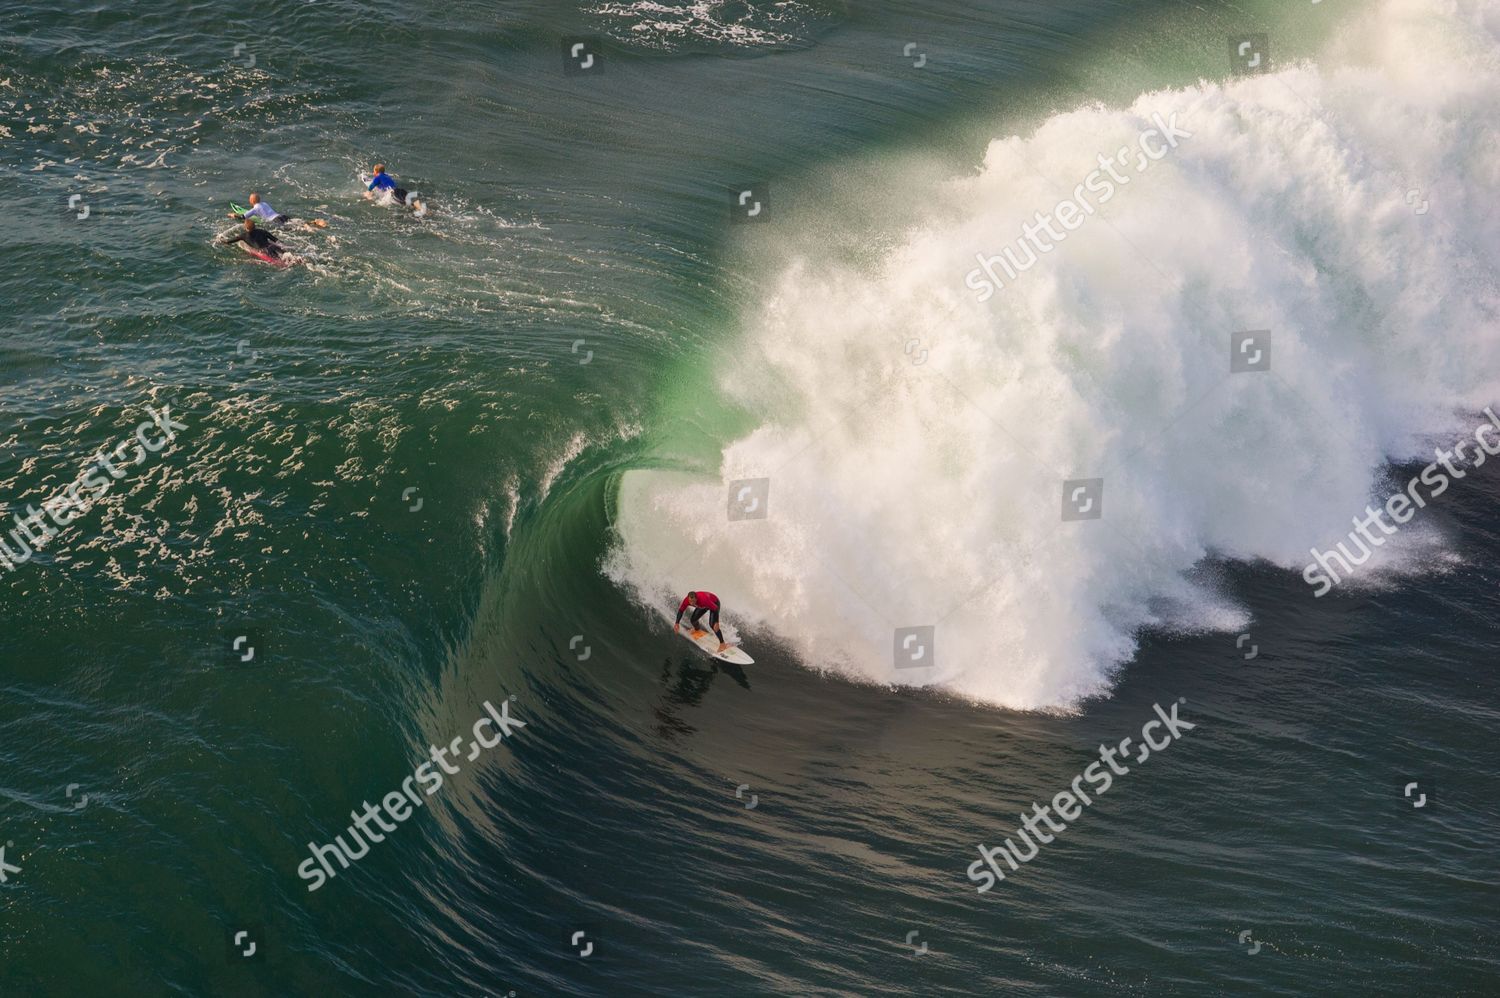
{"x": 279, "y": 262}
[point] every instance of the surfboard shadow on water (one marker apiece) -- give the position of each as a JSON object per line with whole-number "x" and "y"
{"x": 685, "y": 687}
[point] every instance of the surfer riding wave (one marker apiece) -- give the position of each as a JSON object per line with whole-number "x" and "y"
{"x": 702, "y": 603}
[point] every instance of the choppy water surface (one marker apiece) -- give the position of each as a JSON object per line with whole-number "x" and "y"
{"x": 478, "y": 455}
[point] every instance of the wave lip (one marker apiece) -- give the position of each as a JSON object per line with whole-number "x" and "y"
{"x": 921, "y": 485}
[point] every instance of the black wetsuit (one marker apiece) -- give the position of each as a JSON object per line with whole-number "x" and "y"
{"x": 263, "y": 241}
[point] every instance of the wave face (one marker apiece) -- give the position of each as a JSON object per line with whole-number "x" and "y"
{"x": 916, "y": 438}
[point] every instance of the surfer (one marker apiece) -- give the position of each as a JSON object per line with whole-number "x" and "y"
{"x": 262, "y": 210}
{"x": 380, "y": 182}
{"x": 257, "y": 239}
{"x": 702, "y": 603}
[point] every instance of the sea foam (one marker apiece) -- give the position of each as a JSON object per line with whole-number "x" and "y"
{"x": 917, "y": 440}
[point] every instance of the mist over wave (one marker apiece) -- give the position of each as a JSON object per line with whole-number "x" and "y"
{"x": 1345, "y": 205}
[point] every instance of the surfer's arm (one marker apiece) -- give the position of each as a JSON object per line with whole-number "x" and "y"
{"x": 238, "y": 237}
{"x": 680, "y": 611}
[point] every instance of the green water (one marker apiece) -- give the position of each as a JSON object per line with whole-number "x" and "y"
{"x": 399, "y": 480}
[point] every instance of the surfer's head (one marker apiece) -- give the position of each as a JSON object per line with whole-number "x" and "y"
{"x": 692, "y": 599}
{"x": 249, "y": 224}
{"x": 254, "y": 198}
{"x": 379, "y": 168}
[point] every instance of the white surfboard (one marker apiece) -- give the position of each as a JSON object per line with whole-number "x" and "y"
{"x": 710, "y": 644}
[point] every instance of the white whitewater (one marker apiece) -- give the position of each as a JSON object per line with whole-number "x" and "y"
{"x": 908, "y": 494}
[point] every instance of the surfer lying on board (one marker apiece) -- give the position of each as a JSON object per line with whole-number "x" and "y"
{"x": 262, "y": 210}
{"x": 380, "y": 182}
{"x": 703, "y": 603}
{"x": 257, "y": 239}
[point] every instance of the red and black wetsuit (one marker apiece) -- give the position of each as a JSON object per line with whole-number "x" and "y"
{"x": 707, "y": 603}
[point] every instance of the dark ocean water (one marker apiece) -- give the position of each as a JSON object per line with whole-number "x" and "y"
{"x": 408, "y": 477}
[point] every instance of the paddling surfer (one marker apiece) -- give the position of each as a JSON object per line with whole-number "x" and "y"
{"x": 257, "y": 239}
{"x": 381, "y": 182}
{"x": 261, "y": 209}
